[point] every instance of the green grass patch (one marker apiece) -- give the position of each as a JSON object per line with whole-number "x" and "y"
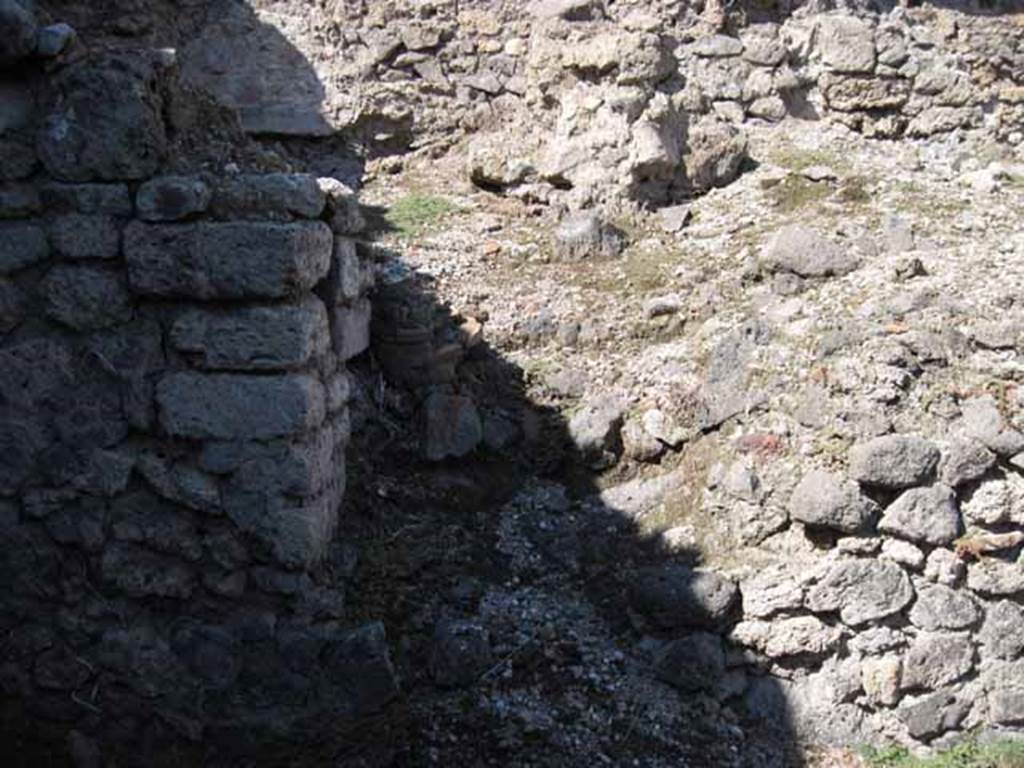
{"x": 795, "y": 193}
{"x": 796, "y": 159}
{"x": 416, "y": 214}
{"x": 970, "y": 754}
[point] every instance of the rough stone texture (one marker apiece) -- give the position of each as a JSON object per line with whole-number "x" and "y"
{"x": 935, "y": 660}
{"x": 939, "y": 607}
{"x": 788, "y": 637}
{"x": 934, "y": 714}
{"x": 822, "y": 499}
{"x": 230, "y": 261}
{"x": 677, "y": 596}
{"x": 172, "y": 198}
{"x": 927, "y": 515}
{"x": 275, "y": 337}
{"x": 995, "y": 578}
{"x": 452, "y": 426}
{"x": 861, "y": 591}
{"x": 350, "y": 328}
{"x": 85, "y": 236}
{"x": 269, "y": 195}
{"x": 693, "y": 663}
{"x": 982, "y": 420}
{"x": 225, "y": 407}
{"x": 964, "y": 460}
{"x": 584, "y": 236}
{"x": 595, "y": 427}
{"x": 846, "y": 44}
{"x": 894, "y": 461}
{"x": 85, "y": 297}
{"x": 1002, "y": 633}
{"x": 21, "y": 245}
{"x": 805, "y": 253}
{"x": 105, "y": 123}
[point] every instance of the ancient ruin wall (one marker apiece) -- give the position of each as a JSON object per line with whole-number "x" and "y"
{"x": 173, "y": 425}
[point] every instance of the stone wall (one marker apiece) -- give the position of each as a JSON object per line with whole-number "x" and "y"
{"x": 173, "y": 425}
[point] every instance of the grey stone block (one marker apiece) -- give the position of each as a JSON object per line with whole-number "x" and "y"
{"x": 85, "y": 297}
{"x": 276, "y": 337}
{"x": 19, "y": 201}
{"x": 229, "y": 407}
{"x": 141, "y": 573}
{"x": 85, "y": 236}
{"x": 17, "y": 158}
{"x": 343, "y": 211}
{"x": 350, "y": 329}
{"x": 13, "y": 306}
{"x": 350, "y": 276}
{"x": 106, "y": 123}
{"x": 229, "y": 261}
{"x": 171, "y": 198}
{"x": 140, "y": 518}
{"x": 272, "y": 195}
{"x": 111, "y": 199}
{"x": 21, "y": 245}
{"x": 296, "y": 532}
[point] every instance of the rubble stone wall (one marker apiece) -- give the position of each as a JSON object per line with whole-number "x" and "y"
{"x": 173, "y": 426}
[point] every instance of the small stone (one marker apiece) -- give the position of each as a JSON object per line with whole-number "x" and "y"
{"x": 54, "y": 40}
{"x": 269, "y": 195}
{"x": 85, "y": 297}
{"x": 171, "y": 198}
{"x": 934, "y": 660}
{"x": 964, "y": 460}
{"x": 846, "y": 44}
{"x": 1002, "y": 633}
{"x": 859, "y": 545}
{"x": 693, "y": 663}
{"x": 822, "y": 499}
{"x": 676, "y": 595}
{"x": 21, "y": 245}
{"x": 13, "y": 306}
{"x": 939, "y": 607}
{"x": 805, "y": 253}
{"x": 584, "y": 236}
{"x": 717, "y": 46}
{"x": 452, "y": 426}
{"x": 787, "y": 637}
{"x": 880, "y": 679}
{"x": 927, "y": 515}
{"x": 934, "y": 715}
{"x": 944, "y": 567}
{"x": 894, "y": 461}
{"x": 904, "y": 553}
{"x": 996, "y": 578}
{"x": 982, "y": 420}
{"x": 567, "y": 10}
{"x": 861, "y": 591}
{"x": 996, "y": 501}
{"x": 595, "y": 427}
{"x": 674, "y": 218}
